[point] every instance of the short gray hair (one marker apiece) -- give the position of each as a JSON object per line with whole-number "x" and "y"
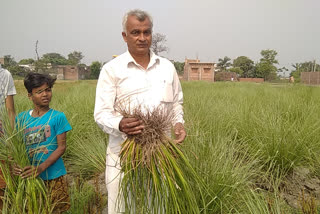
{"x": 141, "y": 16}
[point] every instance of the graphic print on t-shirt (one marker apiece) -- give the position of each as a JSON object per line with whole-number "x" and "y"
{"x": 40, "y": 135}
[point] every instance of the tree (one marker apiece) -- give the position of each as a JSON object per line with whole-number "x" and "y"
{"x": 224, "y": 63}
{"x": 266, "y": 71}
{"x": 269, "y": 56}
{"x": 245, "y": 64}
{"x": 75, "y": 58}
{"x": 9, "y": 61}
{"x": 179, "y": 67}
{"x": 265, "y": 68}
{"x": 28, "y": 61}
{"x": 54, "y": 59}
{"x": 157, "y": 45}
{"x": 237, "y": 70}
{"x": 95, "y": 68}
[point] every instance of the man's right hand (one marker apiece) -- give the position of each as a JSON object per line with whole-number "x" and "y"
{"x": 131, "y": 125}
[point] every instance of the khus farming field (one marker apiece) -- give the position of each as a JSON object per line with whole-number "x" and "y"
{"x": 255, "y": 146}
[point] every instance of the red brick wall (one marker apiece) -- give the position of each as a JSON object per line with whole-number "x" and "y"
{"x": 198, "y": 71}
{"x": 312, "y": 78}
{"x": 71, "y": 73}
{"x": 251, "y": 79}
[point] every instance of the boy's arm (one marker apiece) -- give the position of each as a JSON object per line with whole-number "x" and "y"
{"x": 55, "y": 155}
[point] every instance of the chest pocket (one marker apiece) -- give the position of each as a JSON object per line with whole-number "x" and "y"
{"x": 167, "y": 95}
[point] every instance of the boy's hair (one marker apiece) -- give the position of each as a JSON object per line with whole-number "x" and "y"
{"x": 35, "y": 80}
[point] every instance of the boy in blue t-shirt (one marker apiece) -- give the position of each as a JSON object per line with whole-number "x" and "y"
{"x": 44, "y": 131}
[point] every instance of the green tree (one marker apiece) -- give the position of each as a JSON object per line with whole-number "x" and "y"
{"x": 266, "y": 71}
{"x": 9, "y": 61}
{"x": 266, "y": 68}
{"x": 245, "y": 65}
{"x": 95, "y": 68}
{"x": 28, "y": 61}
{"x": 12, "y": 66}
{"x": 269, "y": 56}
{"x": 224, "y": 63}
{"x": 75, "y": 57}
{"x": 54, "y": 59}
{"x": 237, "y": 70}
{"x": 179, "y": 67}
{"x": 158, "y": 43}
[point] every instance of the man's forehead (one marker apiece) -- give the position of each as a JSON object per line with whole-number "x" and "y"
{"x": 133, "y": 20}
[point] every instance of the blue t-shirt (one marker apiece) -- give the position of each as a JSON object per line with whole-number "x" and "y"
{"x": 40, "y": 137}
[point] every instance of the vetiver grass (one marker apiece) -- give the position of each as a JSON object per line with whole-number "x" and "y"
{"x": 239, "y": 135}
{"x": 21, "y": 195}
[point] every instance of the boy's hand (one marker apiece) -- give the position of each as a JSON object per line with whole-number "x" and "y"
{"x": 16, "y": 169}
{"x": 29, "y": 171}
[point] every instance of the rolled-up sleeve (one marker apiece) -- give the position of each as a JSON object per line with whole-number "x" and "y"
{"x": 177, "y": 100}
{"x": 104, "y": 114}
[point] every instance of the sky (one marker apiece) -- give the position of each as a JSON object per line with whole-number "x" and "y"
{"x": 203, "y": 29}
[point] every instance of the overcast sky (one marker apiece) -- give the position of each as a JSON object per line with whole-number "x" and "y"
{"x": 207, "y": 29}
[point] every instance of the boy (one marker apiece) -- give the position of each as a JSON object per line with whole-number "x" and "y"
{"x": 44, "y": 131}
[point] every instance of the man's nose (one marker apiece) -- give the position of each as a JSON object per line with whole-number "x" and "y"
{"x": 142, "y": 37}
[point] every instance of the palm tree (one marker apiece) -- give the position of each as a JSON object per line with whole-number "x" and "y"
{"x": 224, "y": 63}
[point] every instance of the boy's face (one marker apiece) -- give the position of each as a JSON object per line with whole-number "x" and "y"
{"x": 41, "y": 96}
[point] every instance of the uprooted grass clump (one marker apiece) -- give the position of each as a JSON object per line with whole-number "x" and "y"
{"x": 155, "y": 168}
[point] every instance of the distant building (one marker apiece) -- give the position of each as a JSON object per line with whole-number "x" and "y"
{"x": 70, "y": 72}
{"x": 196, "y": 70}
{"x": 311, "y": 78}
{"x": 2, "y": 61}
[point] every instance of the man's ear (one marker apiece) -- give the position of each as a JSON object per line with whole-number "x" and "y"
{"x": 124, "y": 36}
{"x": 30, "y": 95}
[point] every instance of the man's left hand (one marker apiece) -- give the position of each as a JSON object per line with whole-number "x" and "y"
{"x": 180, "y": 133}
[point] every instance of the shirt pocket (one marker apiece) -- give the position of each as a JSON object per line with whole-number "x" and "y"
{"x": 167, "y": 95}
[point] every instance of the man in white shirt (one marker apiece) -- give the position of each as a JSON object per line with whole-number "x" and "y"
{"x": 145, "y": 80}
{"x": 7, "y": 91}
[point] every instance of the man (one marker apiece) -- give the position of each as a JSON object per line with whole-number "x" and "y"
{"x": 7, "y": 91}
{"x": 143, "y": 78}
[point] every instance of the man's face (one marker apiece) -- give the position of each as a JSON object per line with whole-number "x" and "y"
{"x": 41, "y": 96}
{"x": 138, "y": 36}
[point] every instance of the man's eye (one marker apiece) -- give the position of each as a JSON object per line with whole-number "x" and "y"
{"x": 147, "y": 33}
{"x": 135, "y": 33}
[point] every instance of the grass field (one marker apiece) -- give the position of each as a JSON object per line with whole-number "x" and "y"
{"x": 245, "y": 140}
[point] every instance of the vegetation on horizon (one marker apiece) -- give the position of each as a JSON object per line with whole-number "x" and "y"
{"x": 244, "y": 140}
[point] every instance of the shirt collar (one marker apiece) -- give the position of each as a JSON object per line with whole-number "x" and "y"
{"x": 153, "y": 59}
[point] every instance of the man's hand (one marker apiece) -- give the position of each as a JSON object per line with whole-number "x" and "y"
{"x": 131, "y": 125}
{"x": 180, "y": 133}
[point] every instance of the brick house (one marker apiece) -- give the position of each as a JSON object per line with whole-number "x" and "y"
{"x": 70, "y": 72}
{"x": 196, "y": 70}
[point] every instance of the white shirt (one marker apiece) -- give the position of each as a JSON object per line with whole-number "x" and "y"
{"x": 122, "y": 80}
{"x": 6, "y": 85}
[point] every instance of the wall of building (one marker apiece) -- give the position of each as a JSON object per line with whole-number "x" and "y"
{"x": 312, "y": 78}
{"x": 225, "y": 76}
{"x": 196, "y": 70}
{"x": 71, "y": 73}
{"x": 251, "y": 80}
